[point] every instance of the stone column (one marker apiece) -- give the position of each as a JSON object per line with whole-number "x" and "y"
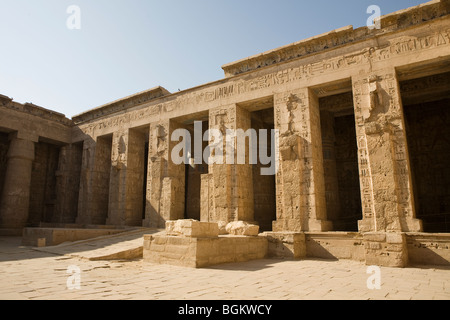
{"x": 228, "y": 186}
{"x": 387, "y": 193}
{"x": 165, "y": 180}
{"x": 385, "y": 174}
{"x": 86, "y": 193}
{"x": 15, "y": 198}
{"x": 301, "y": 204}
{"x": 126, "y": 179}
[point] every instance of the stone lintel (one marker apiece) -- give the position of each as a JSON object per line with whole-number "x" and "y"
{"x": 121, "y": 104}
{"x": 339, "y": 38}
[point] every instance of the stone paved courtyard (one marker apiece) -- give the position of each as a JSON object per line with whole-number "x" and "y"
{"x": 29, "y": 274}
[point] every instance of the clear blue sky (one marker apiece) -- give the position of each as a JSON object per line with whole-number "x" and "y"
{"x": 125, "y": 47}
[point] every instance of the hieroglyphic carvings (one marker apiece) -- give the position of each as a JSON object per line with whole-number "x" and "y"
{"x": 380, "y": 126}
{"x": 360, "y": 90}
{"x": 119, "y": 149}
{"x": 394, "y": 47}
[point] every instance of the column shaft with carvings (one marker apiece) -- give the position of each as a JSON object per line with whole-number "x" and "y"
{"x": 15, "y": 197}
{"x": 385, "y": 173}
{"x": 227, "y": 191}
{"x": 86, "y": 194}
{"x": 301, "y": 204}
{"x": 165, "y": 196}
{"x": 126, "y": 178}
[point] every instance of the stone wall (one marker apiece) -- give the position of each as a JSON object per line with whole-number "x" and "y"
{"x": 428, "y": 248}
{"x": 386, "y": 249}
{"x": 325, "y": 92}
{"x": 100, "y": 184}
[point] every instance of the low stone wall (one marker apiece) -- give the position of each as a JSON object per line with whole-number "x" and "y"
{"x": 335, "y": 245}
{"x": 42, "y": 237}
{"x": 428, "y": 248}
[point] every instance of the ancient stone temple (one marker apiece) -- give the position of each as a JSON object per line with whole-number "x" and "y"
{"x": 363, "y": 149}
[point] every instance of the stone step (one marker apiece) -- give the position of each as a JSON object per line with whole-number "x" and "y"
{"x": 123, "y": 246}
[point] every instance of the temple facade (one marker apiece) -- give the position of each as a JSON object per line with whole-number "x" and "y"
{"x": 363, "y": 150}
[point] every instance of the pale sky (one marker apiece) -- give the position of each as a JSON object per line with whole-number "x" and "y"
{"x": 124, "y": 47}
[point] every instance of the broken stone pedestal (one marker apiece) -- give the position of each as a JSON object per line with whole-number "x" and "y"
{"x": 195, "y": 244}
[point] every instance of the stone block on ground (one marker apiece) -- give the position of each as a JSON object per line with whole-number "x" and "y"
{"x": 241, "y": 228}
{"x": 192, "y": 229}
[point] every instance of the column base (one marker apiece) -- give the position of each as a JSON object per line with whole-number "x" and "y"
{"x": 386, "y": 249}
{"x": 412, "y": 225}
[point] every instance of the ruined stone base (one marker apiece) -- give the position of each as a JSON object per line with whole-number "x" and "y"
{"x": 203, "y": 252}
{"x": 286, "y": 245}
{"x": 386, "y": 249}
{"x": 194, "y": 244}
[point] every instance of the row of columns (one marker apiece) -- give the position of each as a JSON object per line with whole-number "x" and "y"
{"x": 112, "y": 180}
{"x": 16, "y": 191}
{"x": 385, "y": 174}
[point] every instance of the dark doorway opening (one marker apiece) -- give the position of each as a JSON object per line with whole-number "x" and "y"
{"x": 340, "y": 160}
{"x": 264, "y": 186}
{"x": 427, "y": 118}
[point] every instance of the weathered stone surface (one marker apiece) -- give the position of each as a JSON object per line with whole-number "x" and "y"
{"x": 37, "y": 237}
{"x": 335, "y": 245}
{"x": 222, "y": 227}
{"x": 241, "y": 228}
{"x": 203, "y": 252}
{"x": 192, "y": 229}
{"x": 286, "y": 245}
{"x": 386, "y": 249}
{"x": 429, "y": 248}
{"x": 361, "y": 119}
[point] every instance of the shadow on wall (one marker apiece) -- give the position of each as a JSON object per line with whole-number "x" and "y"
{"x": 434, "y": 252}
